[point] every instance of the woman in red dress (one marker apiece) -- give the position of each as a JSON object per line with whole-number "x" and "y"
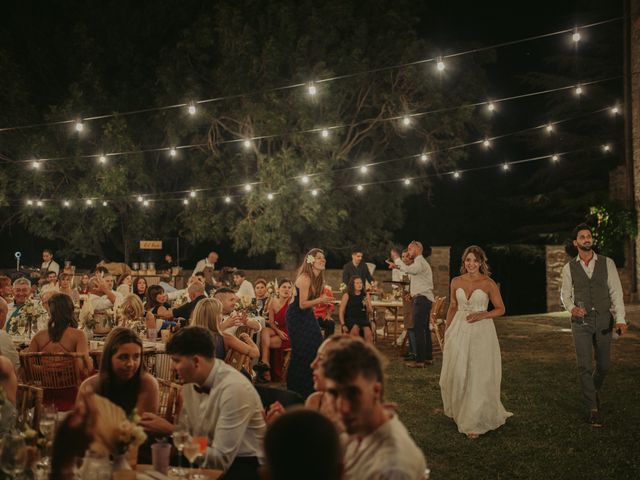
{"x": 275, "y": 335}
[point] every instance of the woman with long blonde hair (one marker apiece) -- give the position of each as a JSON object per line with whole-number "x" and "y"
{"x": 304, "y": 333}
{"x": 208, "y": 314}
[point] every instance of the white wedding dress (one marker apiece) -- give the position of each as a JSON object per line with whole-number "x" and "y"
{"x": 472, "y": 369}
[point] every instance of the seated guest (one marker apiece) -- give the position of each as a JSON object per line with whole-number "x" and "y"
{"x": 355, "y": 307}
{"x": 232, "y": 319}
{"x": 275, "y": 335}
{"x": 245, "y": 289}
{"x": 353, "y": 373}
{"x": 140, "y": 288}
{"x": 323, "y": 311}
{"x": 121, "y": 377}
{"x": 62, "y": 336}
{"x": 124, "y": 284}
{"x": 50, "y": 282}
{"x": 83, "y": 288}
{"x": 196, "y": 294}
{"x": 208, "y": 314}
{"x": 157, "y": 302}
{"x": 320, "y": 400}
{"x": 302, "y": 441}
{"x": 7, "y": 348}
{"x": 8, "y": 387}
{"x": 6, "y": 289}
{"x": 21, "y": 292}
{"x": 263, "y": 298}
{"x": 233, "y": 421}
{"x": 64, "y": 286}
{"x": 101, "y": 294}
{"x": 131, "y": 310}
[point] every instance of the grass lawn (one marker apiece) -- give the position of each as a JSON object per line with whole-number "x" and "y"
{"x": 547, "y": 436}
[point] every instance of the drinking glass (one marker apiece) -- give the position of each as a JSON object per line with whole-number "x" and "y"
{"x": 14, "y": 455}
{"x": 181, "y": 438}
{"x": 191, "y": 451}
{"x": 203, "y": 443}
{"x": 47, "y": 428}
{"x": 582, "y": 320}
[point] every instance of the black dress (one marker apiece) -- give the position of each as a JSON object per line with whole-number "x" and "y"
{"x": 356, "y": 312}
{"x": 305, "y": 337}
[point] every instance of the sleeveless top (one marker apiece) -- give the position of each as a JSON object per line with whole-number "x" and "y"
{"x": 356, "y": 309}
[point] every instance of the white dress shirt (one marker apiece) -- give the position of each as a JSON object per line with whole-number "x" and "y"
{"x": 613, "y": 282}
{"x": 202, "y": 264}
{"x": 50, "y": 266}
{"x": 420, "y": 275}
{"x": 230, "y": 415}
{"x": 388, "y": 453}
{"x": 102, "y": 302}
{"x": 8, "y": 349}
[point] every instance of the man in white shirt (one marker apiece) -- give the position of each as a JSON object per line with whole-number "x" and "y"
{"x": 21, "y": 292}
{"x": 421, "y": 290}
{"x": 48, "y": 263}
{"x": 7, "y": 348}
{"x": 51, "y": 283}
{"x": 379, "y": 445}
{"x": 101, "y": 293}
{"x": 209, "y": 262}
{"x": 591, "y": 291}
{"x": 220, "y": 404}
{"x": 245, "y": 289}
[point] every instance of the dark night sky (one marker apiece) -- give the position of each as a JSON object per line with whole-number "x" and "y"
{"x": 443, "y": 23}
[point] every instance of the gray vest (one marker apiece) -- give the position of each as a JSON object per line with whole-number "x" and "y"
{"x": 592, "y": 292}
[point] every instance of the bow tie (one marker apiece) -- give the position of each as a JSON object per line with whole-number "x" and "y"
{"x": 199, "y": 389}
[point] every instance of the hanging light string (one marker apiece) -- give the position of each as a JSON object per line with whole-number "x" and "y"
{"x": 311, "y": 87}
{"x": 146, "y": 201}
{"x": 324, "y": 131}
{"x": 421, "y": 156}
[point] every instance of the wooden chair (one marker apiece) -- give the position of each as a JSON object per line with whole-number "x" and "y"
{"x": 51, "y": 371}
{"x": 285, "y": 363}
{"x": 29, "y": 405}
{"x": 170, "y": 400}
{"x": 240, "y": 361}
{"x": 162, "y": 368}
{"x": 436, "y": 324}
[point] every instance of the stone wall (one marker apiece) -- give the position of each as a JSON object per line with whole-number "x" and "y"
{"x": 556, "y": 257}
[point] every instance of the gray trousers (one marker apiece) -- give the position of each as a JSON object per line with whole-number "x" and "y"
{"x": 592, "y": 339}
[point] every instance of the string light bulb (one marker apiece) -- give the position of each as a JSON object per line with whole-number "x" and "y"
{"x": 456, "y": 174}
{"x": 102, "y": 159}
{"x": 269, "y": 196}
{"x": 140, "y": 199}
{"x": 407, "y": 181}
{"x": 79, "y": 126}
{"x": 505, "y": 166}
{"x": 192, "y": 194}
{"x": 247, "y": 144}
{"x": 248, "y": 187}
{"x": 406, "y": 120}
{"x": 491, "y": 107}
{"x": 606, "y": 147}
{"x": 39, "y": 203}
{"x": 364, "y": 169}
{"x": 359, "y": 188}
{"x": 314, "y": 192}
{"x": 615, "y": 110}
{"x": 105, "y": 203}
{"x": 576, "y": 36}
{"x": 555, "y": 157}
{"x": 145, "y": 203}
{"x": 35, "y": 165}
{"x": 424, "y": 157}
{"x": 227, "y": 199}
{"x": 185, "y": 201}
{"x": 192, "y": 109}
{"x": 311, "y": 89}
{"x": 440, "y": 64}
{"x": 549, "y": 128}
{"x": 29, "y": 202}
{"x": 304, "y": 179}
{"x": 324, "y": 133}
{"x": 66, "y": 203}
{"x": 486, "y": 143}
{"x": 578, "y": 90}
{"x": 89, "y": 202}
{"x": 173, "y": 152}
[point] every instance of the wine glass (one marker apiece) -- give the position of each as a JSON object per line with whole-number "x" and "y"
{"x": 203, "y": 443}
{"x": 191, "y": 450}
{"x": 47, "y": 428}
{"x": 181, "y": 438}
{"x": 14, "y": 455}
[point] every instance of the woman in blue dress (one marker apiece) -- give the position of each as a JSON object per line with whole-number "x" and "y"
{"x": 304, "y": 332}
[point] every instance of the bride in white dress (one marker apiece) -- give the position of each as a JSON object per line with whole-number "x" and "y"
{"x": 471, "y": 365}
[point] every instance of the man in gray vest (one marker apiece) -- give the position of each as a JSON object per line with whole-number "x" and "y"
{"x": 592, "y": 293}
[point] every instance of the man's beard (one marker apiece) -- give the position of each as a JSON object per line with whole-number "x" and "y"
{"x": 585, "y": 248}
